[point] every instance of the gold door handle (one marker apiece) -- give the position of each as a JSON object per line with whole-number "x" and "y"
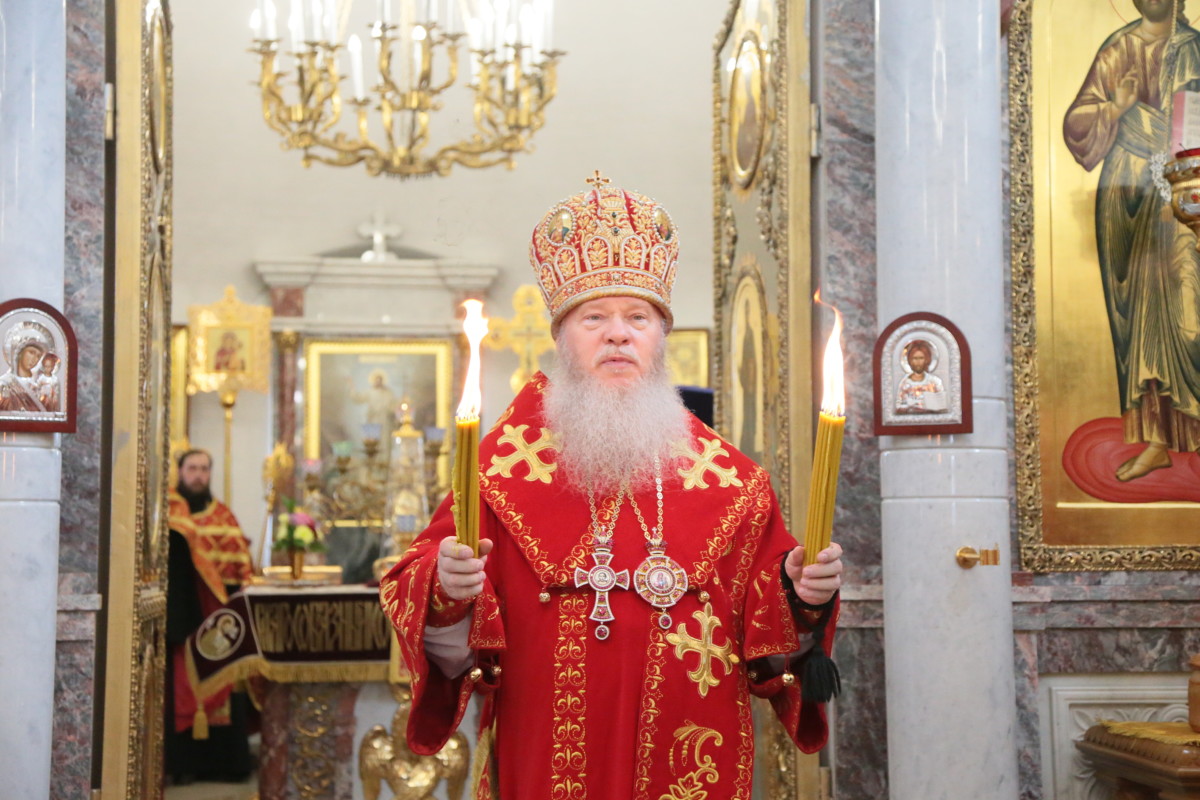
{"x": 968, "y": 557}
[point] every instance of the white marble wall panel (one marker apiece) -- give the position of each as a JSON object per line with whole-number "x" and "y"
{"x": 32, "y": 192}
{"x": 28, "y": 594}
{"x": 948, "y": 630}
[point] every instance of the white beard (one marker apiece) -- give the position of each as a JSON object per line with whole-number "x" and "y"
{"x": 610, "y": 436}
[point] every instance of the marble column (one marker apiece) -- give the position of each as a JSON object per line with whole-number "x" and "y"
{"x": 948, "y": 641}
{"x": 32, "y": 188}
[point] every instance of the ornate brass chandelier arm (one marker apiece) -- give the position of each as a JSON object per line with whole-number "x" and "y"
{"x": 514, "y": 79}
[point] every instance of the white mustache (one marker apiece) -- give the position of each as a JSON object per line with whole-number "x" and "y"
{"x": 609, "y": 352}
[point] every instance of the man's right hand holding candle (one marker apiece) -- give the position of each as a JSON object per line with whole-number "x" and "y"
{"x": 459, "y": 571}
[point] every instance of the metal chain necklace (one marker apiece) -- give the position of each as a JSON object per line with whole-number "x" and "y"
{"x": 659, "y": 580}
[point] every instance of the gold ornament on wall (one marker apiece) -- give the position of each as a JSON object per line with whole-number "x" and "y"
{"x": 229, "y": 350}
{"x": 527, "y": 334}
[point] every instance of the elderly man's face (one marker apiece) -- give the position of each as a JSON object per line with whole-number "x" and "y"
{"x": 614, "y": 339}
{"x": 194, "y": 472}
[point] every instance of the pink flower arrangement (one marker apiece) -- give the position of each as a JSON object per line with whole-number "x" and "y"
{"x": 297, "y": 530}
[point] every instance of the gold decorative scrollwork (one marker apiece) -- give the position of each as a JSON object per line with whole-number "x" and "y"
{"x": 312, "y": 764}
{"x": 385, "y": 758}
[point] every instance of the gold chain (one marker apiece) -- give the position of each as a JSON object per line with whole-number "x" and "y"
{"x": 602, "y": 535}
{"x": 654, "y": 541}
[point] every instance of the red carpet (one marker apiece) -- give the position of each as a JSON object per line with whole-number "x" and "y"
{"x": 1097, "y": 448}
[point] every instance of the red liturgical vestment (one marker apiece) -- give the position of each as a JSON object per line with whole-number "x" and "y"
{"x": 650, "y": 711}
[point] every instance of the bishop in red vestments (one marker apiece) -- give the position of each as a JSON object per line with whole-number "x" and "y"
{"x": 635, "y": 584}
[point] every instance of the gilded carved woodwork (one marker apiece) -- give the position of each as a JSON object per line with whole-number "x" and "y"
{"x": 136, "y": 599}
{"x": 761, "y": 227}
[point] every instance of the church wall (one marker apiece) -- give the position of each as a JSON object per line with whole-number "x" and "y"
{"x": 79, "y": 536}
{"x": 633, "y": 102}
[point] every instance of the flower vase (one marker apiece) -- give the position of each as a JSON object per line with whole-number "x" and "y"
{"x": 296, "y": 556}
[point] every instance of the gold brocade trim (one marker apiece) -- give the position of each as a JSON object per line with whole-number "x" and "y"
{"x": 322, "y": 672}
{"x": 568, "y": 760}
{"x": 656, "y": 658}
{"x": 744, "y": 782}
{"x": 752, "y": 492}
{"x": 513, "y": 520}
{"x": 1177, "y": 733}
{"x": 218, "y": 556}
{"x": 483, "y": 764}
{"x": 692, "y": 737}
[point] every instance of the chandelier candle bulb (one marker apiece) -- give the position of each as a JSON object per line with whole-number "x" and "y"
{"x": 466, "y": 428}
{"x": 354, "y": 52}
{"x": 827, "y": 450}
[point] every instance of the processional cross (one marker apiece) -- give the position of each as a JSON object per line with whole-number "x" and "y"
{"x": 527, "y": 334}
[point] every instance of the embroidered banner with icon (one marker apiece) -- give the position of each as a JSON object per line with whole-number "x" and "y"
{"x": 335, "y": 633}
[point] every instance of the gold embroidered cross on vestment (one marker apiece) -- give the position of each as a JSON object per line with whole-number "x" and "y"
{"x": 704, "y": 646}
{"x": 704, "y": 462}
{"x": 525, "y": 452}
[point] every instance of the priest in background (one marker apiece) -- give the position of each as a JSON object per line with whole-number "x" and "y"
{"x": 208, "y": 559}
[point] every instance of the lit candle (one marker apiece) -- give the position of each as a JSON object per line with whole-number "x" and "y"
{"x": 354, "y": 52}
{"x": 466, "y": 426}
{"x": 827, "y": 451}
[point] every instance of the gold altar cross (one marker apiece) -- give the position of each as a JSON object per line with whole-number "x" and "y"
{"x": 524, "y": 452}
{"x": 704, "y": 647}
{"x": 704, "y": 462}
{"x": 527, "y": 334}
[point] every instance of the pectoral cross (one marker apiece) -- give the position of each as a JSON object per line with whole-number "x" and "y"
{"x": 602, "y": 578}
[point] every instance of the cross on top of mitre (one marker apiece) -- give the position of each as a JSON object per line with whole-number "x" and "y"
{"x": 597, "y": 180}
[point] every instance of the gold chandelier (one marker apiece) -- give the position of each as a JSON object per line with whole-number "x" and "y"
{"x": 417, "y": 45}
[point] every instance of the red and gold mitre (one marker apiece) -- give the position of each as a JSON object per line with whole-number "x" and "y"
{"x": 605, "y": 242}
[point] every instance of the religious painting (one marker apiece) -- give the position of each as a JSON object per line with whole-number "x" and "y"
{"x": 354, "y": 390}
{"x": 747, "y": 100}
{"x": 37, "y": 384}
{"x": 687, "y": 357}
{"x": 922, "y": 367}
{"x": 747, "y": 374}
{"x": 762, "y": 332}
{"x": 230, "y": 346}
{"x": 1106, "y": 288}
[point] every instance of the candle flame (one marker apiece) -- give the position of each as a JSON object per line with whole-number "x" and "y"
{"x": 475, "y": 326}
{"x": 833, "y": 386}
